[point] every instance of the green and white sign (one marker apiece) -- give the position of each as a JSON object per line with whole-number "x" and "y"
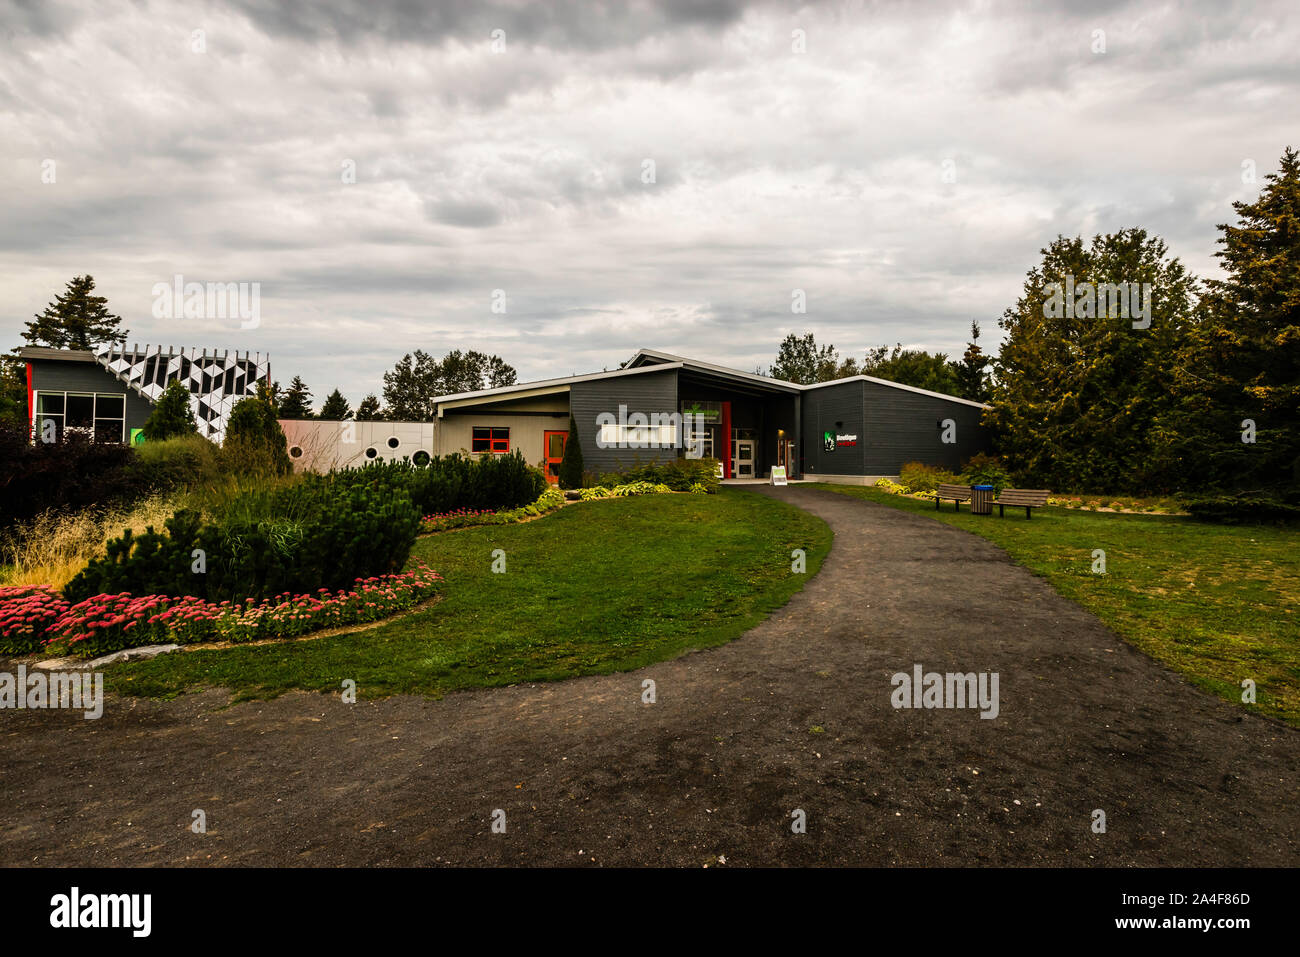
{"x": 708, "y": 413}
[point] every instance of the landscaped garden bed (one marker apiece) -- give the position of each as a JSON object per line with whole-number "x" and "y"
{"x": 590, "y": 590}
{"x": 40, "y": 620}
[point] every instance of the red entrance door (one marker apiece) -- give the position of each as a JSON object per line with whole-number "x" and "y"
{"x": 554, "y": 442}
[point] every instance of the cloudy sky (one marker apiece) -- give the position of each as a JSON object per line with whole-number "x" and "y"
{"x": 902, "y": 164}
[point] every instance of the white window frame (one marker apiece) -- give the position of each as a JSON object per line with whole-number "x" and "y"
{"x": 38, "y": 419}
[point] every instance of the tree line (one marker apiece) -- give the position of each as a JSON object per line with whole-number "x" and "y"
{"x": 1121, "y": 372}
{"x": 1176, "y": 385}
{"x": 79, "y": 319}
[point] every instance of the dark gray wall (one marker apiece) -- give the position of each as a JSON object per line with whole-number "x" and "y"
{"x": 647, "y": 392}
{"x": 61, "y": 376}
{"x": 822, "y": 408}
{"x": 894, "y": 426}
{"x": 902, "y": 427}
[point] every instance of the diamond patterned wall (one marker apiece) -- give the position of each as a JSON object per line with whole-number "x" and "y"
{"x": 216, "y": 381}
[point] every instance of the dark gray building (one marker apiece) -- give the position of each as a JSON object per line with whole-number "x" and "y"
{"x": 109, "y": 393}
{"x": 659, "y": 405}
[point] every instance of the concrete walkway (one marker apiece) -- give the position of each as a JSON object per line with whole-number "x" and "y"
{"x": 794, "y": 715}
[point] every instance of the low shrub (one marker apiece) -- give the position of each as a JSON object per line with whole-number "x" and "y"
{"x": 595, "y": 492}
{"x": 892, "y": 487}
{"x": 183, "y": 462}
{"x": 71, "y": 474}
{"x": 452, "y": 482}
{"x": 280, "y": 539}
{"x": 1241, "y": 509}
{"x": 637, "y": 488}
{"x": 982, "y": 469}
{"x": 549, "y": 500}
{"x": 925, "y": 478}
{"x": 678, "y": 474}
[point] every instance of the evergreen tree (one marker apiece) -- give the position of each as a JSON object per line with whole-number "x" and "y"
{"x": 336, "y": 408}
{"x": 78, "y": 319}
{"x": 1078, "y": 390}
{"x": 369, "y": 411}
{"x": 1238, "y": 376}
{"x": 971, "y": 373}
{"x": 296, "y": 402}
{"x": 172, "y": 414}
{"x": 571, "y": 468}
{"x": 254, "y": 441}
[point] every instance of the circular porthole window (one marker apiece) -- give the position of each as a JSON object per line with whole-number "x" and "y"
{"x": 371, "y": 452}
{"x": 295, "y": 451}
{"x": 393, "y": 442}
{"x": 421, "y": 458}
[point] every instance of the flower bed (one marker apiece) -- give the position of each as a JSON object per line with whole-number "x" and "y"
{"x": 27, "y": 613}
{"x": 548, "y": 501}
{"x": 106, "y": 623}
{"x": 460, "y": 518}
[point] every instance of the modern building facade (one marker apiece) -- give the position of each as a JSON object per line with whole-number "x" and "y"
{"x": 108, "y": 393}
{"x": 659, "y": 406}
{"x": 655, "y": 408}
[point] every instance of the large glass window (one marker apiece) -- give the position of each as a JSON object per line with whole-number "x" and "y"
{"x": 101, "y": 417}
{"x": 110, "y": 418}
{"x": 490, "y": 439}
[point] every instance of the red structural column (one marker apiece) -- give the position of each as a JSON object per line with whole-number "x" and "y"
{"x": 31, "y": 403}
{"x": 726, "y": 440}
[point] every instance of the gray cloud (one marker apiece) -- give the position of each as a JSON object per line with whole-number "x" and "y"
{"x": 522, "y": 170}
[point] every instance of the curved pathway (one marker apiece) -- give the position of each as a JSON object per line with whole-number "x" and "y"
{"x": 794, "y": 715}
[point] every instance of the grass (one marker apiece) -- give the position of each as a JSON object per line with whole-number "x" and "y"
{"x": 595, "y": 588}
{"x": 54, "y": 546}
{"x": 1216, "y": 603}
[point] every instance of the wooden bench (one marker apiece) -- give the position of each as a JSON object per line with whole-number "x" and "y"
{"x": 1025, "y": 498}
{"x": 954, "y": 493}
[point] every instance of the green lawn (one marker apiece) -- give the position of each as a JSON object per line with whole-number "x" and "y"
{"x": 1216, "y": 603}
{"x": 597, "y": 587}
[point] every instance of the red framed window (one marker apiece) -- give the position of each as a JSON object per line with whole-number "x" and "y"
{"x": 490, "y": 439}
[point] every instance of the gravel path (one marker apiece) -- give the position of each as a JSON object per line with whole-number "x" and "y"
{"x": 794, "y": 715}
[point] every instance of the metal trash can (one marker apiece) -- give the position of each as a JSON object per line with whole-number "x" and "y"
{"x": 981, "y": 499}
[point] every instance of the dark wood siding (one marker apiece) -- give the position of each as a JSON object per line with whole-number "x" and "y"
{"x": 648, "y": 392}
{"x": 894, "y": 426}
{"x": 822, "y": 408}
{"x": 903, "y": 426}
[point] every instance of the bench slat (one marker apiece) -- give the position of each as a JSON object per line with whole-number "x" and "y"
{"x": 953, "y": 491}
{"x": 1022, "y": 496}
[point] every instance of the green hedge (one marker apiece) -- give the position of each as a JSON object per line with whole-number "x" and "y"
{"x": 456, "y": 481}
{"x": 300, "y": 538}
